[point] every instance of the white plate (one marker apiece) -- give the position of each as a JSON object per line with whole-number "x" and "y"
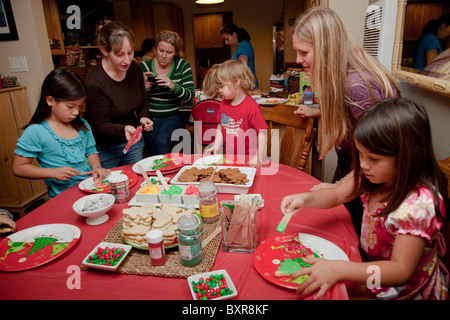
{"x": 88, "y": 184}
{"x": 57, "y": 236}
{"x": 271, "y": 101}
{"x": 222, "y": 187}
{"x": 256, "y": 96}
{"x": 103, "y": 245}
{"x": 208, "y": 160}
{"x": 60, "y": 231}
{"x": 148, "y": 163}
{"x": 322, "y": 246}
{"x": 206, "y": 275}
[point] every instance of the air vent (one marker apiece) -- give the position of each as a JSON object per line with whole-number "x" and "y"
{"x": 372, "y": 30}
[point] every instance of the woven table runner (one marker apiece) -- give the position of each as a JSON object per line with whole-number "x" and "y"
{"x": 138, "y": 260}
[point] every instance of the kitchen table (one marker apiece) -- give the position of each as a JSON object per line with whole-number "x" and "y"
{"x": 273, "y": 182}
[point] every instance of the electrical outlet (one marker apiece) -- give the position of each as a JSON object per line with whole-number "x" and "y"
{"x": 18, "y": 64}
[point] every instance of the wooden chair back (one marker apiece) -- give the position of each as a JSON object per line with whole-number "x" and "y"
{"x": 296, "y": 136}
{"x": 205, "y": 118}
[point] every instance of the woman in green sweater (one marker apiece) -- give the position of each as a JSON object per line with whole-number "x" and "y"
{"x": 168, "y": 81}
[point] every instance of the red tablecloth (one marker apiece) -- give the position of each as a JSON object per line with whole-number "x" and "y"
{"x": 49, "y": 281}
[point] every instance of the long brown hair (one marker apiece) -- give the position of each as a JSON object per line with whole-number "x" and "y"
{"x": 400, "y": 128}
{"x": 61, "y": 84}
{"x": 335, "y": 57}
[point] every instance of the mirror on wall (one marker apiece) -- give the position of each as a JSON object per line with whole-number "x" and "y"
{"x": 412, "y": 15}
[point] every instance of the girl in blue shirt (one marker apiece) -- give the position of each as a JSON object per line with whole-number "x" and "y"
{"x": 235, "y": 36}
{"x": 57, "y": 137}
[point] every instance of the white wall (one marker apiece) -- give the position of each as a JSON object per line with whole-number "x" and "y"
{"x": 33, "y": 44}
{"x": 254, "y": 16}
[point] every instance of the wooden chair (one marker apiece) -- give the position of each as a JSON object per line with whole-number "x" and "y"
{"x": 296, "y": 134}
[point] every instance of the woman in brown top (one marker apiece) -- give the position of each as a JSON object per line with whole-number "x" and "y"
{"x": 116, "y": 99}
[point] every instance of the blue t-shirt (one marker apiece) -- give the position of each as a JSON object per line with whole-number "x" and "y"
{"x": 245, "y": 48}
{"x": 41, "y": 142}
{"x": 425, "y": 43}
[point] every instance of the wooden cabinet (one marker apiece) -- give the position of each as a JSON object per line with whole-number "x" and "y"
{"x": 167, "y": 16}
{"x": 55, "y": 35}
{"x": 16, "y": 194}
{"x": 207, "y": 29}
{"x": 291, "y": 10}
{"x": 138, "y": 16}
{"x": 417, "y": 16}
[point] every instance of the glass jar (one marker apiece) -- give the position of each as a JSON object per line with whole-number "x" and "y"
{"x": 207, "y": 198}
{"x": 119, "y": 188}
{"x": 189, "y": 240}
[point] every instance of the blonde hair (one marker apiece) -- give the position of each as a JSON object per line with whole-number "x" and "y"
{"x": 173, "y": 38}
{"x": 209, "y": 85}
{"x": 234, "y": 71}
{"x": 335, "y": 57}
{"x": 110, "y": 36}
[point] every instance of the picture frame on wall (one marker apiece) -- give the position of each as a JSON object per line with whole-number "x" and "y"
{"x": 8, "y": 29}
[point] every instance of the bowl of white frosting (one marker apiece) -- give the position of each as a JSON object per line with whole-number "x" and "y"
{"x": 94, "y": 207}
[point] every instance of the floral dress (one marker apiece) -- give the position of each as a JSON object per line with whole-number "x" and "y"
{"x": 415, "y": 216}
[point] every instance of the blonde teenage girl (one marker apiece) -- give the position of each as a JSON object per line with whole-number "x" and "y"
{"x": 403, "y": 192}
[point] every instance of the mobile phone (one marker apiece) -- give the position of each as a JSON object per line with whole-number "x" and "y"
{"x": 151, "y": 78}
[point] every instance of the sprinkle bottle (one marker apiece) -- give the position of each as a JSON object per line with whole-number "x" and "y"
{"x": 189, "y": 240}
{"x": 156, "y": 247}
{"x": 207, "y": 197}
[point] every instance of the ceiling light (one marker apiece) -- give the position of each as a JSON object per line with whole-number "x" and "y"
{"x": 208, "y": 1}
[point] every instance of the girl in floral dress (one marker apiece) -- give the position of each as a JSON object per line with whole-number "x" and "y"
{"x": 403, "y": 192}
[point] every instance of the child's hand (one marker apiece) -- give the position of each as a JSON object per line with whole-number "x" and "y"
{"x": 210, "y": 151}
{"x": 256, "y": 162}
{"x": 101, "y": 174}
{"x": 323, "y": 274}
{"x": 292, "y": 203}
{"x": 6, "y": 220}
{"x": 64, "y": 173}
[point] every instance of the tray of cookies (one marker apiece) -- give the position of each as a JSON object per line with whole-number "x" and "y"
{"x": 228, "y": 179}
{"x": 137, "y": 221}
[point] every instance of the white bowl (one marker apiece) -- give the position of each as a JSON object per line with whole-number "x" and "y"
{"x": 94, "y": 207}
{"x": 196, "y": 278}
{"x": 104, "y": 245}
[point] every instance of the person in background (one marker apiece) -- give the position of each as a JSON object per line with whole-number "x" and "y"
{"x": 239, "y": 38}
{"x": 57, "y": 137}
{"x": 428, "y": 45}
{"x": 148, "y": 49}
{"x": 209, "y": 85}
{"x": 346, "y": 80}
{"x": 239, "y": 117}
{"x": 170, "y": 84}
{"x": 116, "y": 100}
{"x": 404, "y": 192}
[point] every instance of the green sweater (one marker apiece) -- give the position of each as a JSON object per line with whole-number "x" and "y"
{"x": 164, "y": 102}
